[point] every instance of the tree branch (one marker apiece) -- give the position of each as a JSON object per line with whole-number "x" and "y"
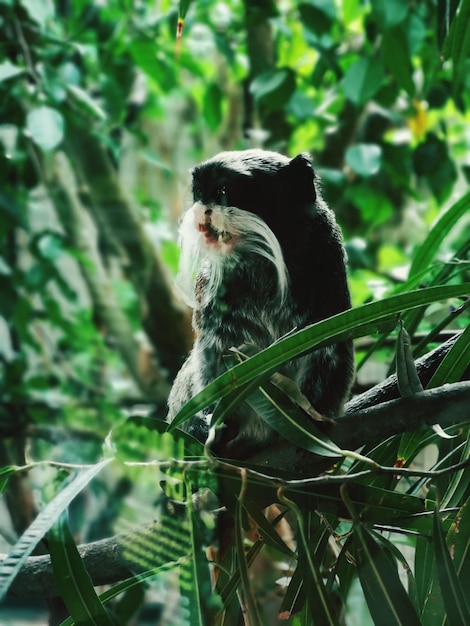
{"x": 446, "y": 405}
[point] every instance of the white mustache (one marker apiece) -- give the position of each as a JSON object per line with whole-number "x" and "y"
{"x": 214, "y": 238}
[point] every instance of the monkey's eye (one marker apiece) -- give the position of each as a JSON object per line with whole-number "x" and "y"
{"x": 221, "y": 195}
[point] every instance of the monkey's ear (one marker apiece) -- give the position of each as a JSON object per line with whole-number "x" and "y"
{"x": 300, "y": 177}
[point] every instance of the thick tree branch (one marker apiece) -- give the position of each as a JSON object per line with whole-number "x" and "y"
{"x": 388, "y": 389}
{"x": 446, "y": 405}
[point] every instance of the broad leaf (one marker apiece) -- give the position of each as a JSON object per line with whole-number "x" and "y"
{"x": 46, "y": 127}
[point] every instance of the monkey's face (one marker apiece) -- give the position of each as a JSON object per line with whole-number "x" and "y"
{"x": 243, "y": 201}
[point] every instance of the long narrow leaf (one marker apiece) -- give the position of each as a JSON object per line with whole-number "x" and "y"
{"x": 130, "y": 583}
{"x": 294, "y": 597}
{"x": 72, "y": 578}
{"x": 440, "y": 229}
{"x": 424, "y": 564}
{"x": 388, "y": 602}
{"x": 268, "y": 532}
{"x": 457, "y": 610}
{"x": 458, "y": 540}
{"x": 318, "y": 598}
{"x": 353, "y": 323}
{"x": 407, "y": 376}
{"x": 455, "y": 362}
{"x": 458, "y": 488}
{"x": 290, "y": 421}
{"x": 203, "y": 601}
{"x": 43, "y": 522}
{"x": 5, "y": 473}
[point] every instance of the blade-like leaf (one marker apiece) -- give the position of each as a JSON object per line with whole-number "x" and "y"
{"x": 5, "y": 473}
{"x": 43, "y": 522}
{"x": 455, "y": 362}
{"x": 388, "y": 602}
{"x": 440, "y": 229}
{"x": 203, "y": 602}
{"x": 424, "y": 563}
{"x": 290, "y": 421}
{"x": 458, "y": 488}
{"x": 294, "y": 597}
{"x": 72, "y": 578}
{"x": 267, "y": 531}
{"x": 453, "y": 595}
{"x": 458, "y": 540}
{"x": 130, "y": 583}
{"x": 318, "y": 598}
{"x": 353, "y": 323}
{"x": 407, "y": 376}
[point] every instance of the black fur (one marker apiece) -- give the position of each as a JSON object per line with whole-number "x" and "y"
{"x": 247, "y": 307}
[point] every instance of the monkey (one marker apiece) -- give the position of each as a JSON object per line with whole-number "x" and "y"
{"x": 261, "y": 255}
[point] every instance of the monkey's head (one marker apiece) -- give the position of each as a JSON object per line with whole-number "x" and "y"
{"x": 245, "y": 203}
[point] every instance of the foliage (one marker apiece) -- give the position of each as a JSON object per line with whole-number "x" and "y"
{"x": 103, "y": 109}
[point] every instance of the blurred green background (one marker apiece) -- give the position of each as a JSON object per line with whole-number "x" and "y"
{"x": 103, "y": 111}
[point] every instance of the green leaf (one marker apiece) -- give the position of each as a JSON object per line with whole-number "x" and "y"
{"x": 203, "y": 601}
{"x": 85, "y": 102}
{"x": 5, "y": 473}
{"x": 273, "y": 88}
{"x": 364, "y": 158}
{"x": 391, "y": 12}
{"x": 290, "y": 421}
{"x": 440, "y": 229}
{"x": 388, "y": 602}
{"x": 446, "y": 10}
{"x": 407, "y": 376}
{"x": 294, "y": 597}
{"x": 267, "y": 530}
{"x": 458, "y": 540}
{"x": 458, "y": 487}
{"x": 424, "y": 569}
{"x": 455, "y": 362}
{"x": 318, "y": 598}
{"x": 353, "y": 323}
{"x": 41, "y": 11}
{"x": 457, "y": 43}
{"x": 318, "y": 15}
{"x": 46, "y": 127}
{"x": 363, "y": 79}
{"x": 8, "y": 70}
{"x": 212, "y": 106}
{"x": 453, "y": 595}
{"x": 43, "y": 522}
{"x": 72, "y": 578}
{"x": 397, "y": 59}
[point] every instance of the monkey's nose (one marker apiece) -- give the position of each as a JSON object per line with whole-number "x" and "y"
{"x": 208, "y": 212}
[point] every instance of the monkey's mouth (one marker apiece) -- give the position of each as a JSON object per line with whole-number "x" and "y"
{"x": 212, "y": 235}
